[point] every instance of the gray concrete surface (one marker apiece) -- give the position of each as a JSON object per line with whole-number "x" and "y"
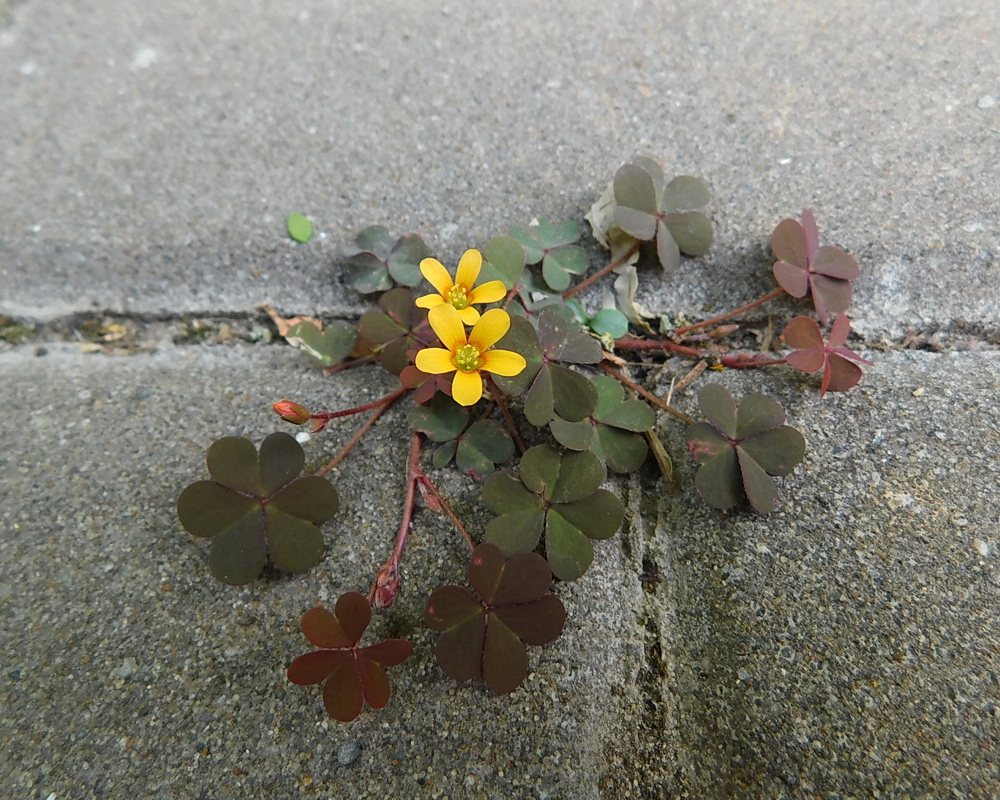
{"x": 844, "y": 647}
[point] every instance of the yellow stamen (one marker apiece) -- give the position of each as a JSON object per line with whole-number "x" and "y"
{"x": 458, "y": 297}
{"x": 467, "y": 358}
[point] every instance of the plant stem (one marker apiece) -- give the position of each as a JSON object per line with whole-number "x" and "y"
{"x": 386, "y": 583}
{"x": 326, "y": 416}
{"x": 427, "y": 484}
{"x": 502, "y": 404}
{"x": 348, "y": 364}
{"x": 602, "y": 272}
{"x": 362, "y": 431}
{"x": 723, "y": 317}
{"x": 652, "y": 398}
{"x": 660, "y": 345}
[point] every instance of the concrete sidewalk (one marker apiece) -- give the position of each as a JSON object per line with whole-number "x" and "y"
{"x": 845, "y": 646}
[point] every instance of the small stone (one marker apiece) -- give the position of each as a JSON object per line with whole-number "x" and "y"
{"x": 348, "y": 753}
{"x": 986, "y": 101}
{"x": 981, "y": 547}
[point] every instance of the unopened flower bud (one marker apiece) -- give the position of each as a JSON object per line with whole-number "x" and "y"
{"x": 386, "y": 585}
{"x": 292, "y": 412}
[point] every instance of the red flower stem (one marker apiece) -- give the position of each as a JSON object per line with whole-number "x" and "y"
{"x": 602, "y": 272}
{"x": 362, "y": 431}
{"x": 386, "y": 583}
{"x": 660, "y": 345}
{"x": 389, "y": 398}
{"x": 502, "y": 403}
{"x": 348, "y": 364}
{"x": 723, "y": 317}
{"x": 430, "y": 487}
{"x": 652, "y": 398}
{"x": 737, "y": 362}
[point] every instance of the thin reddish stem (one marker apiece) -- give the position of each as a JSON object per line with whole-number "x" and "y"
{"x": 657, "y": 345}
{"x": 326, "y": 416}
{"x": 723, "y": 317}
{"x": 348, "y": 364}
{"x": 430, "y": 487}
{"x": 603, "y": 271}
{"x": 361, "y": 432}
{"x": 502, "y": 404}
{"x": 744, "y": 361}
{"x": 652, "y": 398}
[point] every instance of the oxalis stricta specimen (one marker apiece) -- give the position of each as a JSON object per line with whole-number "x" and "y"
{"x": 484, "y": 357}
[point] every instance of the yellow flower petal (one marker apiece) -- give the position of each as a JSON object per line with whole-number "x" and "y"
{"x": 469, "y": 315}
{"x": 468, "y": 269}
{"x": 435, "y": 273}
{"x": 434, "y": 361}
{"x": 467, "y": 387}
{"x": 428, "y": 301}
{"x": 447, "y": 324}
{"x": 489, "y": 292}
{"x": 503, "y": 362}
{"x": 489, "y": 330}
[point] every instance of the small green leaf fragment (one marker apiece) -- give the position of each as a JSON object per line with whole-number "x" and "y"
{"x": 516, "y": 533}
{"x": 485, "y": 444}
{"x": 567, "y": 550}
{"x": 610, "y": 322}
{"x": 328, "y": 346}
{"x": 294, "y": 544}
{"x": 232, "y": 461}
{"x": 300, "y": 228}
{"x": 238, "y": 554}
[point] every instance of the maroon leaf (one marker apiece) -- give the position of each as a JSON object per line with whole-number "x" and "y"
{"x": 812, "y": 355}
{"x": 352, "y": 675}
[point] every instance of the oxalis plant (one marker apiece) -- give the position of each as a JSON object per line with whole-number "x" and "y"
{"x": 494, "y": 356}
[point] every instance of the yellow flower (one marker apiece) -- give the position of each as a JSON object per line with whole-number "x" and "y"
{"x": 460, "y": 294}
{"x": 468, "y": 356}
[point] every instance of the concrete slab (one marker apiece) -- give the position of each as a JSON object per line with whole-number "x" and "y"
{"x": 121, "y": 652}
{"x": 153, "y": 152}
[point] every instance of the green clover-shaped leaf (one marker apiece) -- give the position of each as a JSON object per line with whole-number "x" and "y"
{"x": 476, "y": 451}
{"x": 504, "y": 261}
{"x": 613, "y": 431}
{"x": 739, "y": 448}
{"x": 256, "y": 507}
{"x": 555, "y": 248}
{"x": 378, "y": 260}
{"x": 552, "y": 388}
{"x": 483, "y": 632}
{"x": 328, "y": 346}
{"x": 557, "y": 495}
{"x": 648, "y": 208}
{"x": 354, "y": 675}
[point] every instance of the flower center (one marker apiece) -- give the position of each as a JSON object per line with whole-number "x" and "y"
{"x": 457, "y": 297}
{"x": 467, "y": 358}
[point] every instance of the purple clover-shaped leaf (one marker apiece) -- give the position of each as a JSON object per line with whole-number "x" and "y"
{"x": 812, "y": 355}
{"x": 378, "y": 260}
{"x": 740, "y": 448}
{"x": 648, "y": 208}
{"x": 483, "y": 632}
{"x": 804, "y": 267}
{"x": 559, "y": 495}
{"x": 258, "y": 507}
{"x": 354, "y": 675}
{"x": 393, "y": 329}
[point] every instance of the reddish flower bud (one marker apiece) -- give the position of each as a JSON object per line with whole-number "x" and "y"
{"x": 292, "y": 412}
{"x": 386, "y": 584}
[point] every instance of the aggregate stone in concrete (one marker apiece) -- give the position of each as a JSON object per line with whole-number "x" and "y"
{"x": 153, "y": 151}
{"x": 128, "y": 671}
